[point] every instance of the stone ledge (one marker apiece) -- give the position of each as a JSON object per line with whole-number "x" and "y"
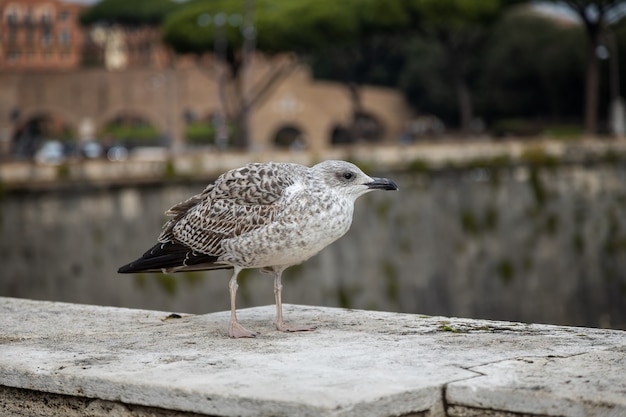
{"x": 358, "y": 363}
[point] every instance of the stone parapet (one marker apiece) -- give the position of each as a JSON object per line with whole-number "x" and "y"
{"x": 71, "y": 359}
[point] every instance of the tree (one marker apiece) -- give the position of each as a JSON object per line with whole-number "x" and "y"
{"x": 371, "y": 54}
{"x": 595, "y": 15}
{"x": 374, "y": 60}
{"x": 128, "y": 13}
{"x": 228, "y": 29}
{"x": 547, "y": 74}
{"x": 461, "y": 27}
{"x": 297, "y": 28}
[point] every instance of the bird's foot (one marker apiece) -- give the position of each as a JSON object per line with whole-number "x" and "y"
{"x": 284, "y": 327}
{"x": 236, "y": 331}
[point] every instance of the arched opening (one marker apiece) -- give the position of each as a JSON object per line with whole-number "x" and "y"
{"x": 340, "y": 135}
{"x": 291, "y": 137}
{"x": 365, "y": 127}
{"x": 131, "y": 130}
{"x": 34, "y": 132}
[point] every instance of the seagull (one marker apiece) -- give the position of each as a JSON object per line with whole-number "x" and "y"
{"x": 263, "y": 215}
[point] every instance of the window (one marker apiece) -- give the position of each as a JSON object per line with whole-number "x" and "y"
{"x": 45, "y": 14}
{"x": 64, "y": 15}
{"x": 64, "y": 37}
{"x": 28, "y": 18}
{"x": 11, "y": 17}
{"x": 13, "y": 13}
{"x": 13, "y": 56}
{"x": 46, "y": 37}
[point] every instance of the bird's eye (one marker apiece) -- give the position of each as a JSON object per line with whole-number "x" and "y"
{"x": 348, "y": 175}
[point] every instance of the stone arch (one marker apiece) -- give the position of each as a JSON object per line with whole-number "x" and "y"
{"x": 368, "y": 127}
{"x": 64, "y": 114}
{"x": 290, "y": 135}
{"x": 364, "y": 127}
{"x": 340, "y": 135}
{"x": 36, "y": 126}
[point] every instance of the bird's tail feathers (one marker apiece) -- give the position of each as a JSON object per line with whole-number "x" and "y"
{"x": 171, "y": 257}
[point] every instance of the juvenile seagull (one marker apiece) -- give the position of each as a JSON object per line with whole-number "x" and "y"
{"x": 268, "y": 216}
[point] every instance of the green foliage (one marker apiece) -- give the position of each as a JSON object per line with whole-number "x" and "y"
{"x": 546, "y": 77}
{"x": 474, "y": 224}
{"x": 143, "y": 133}
{"x": 419, "y": 166}
{"x": 469, "y": 222}
{"x": 537, "y": 156}
{"x": 455, "y": 16}
{"x": 130, "y": 13}
{"x": 537, "y": 187}
{"x": 506, "y": 270}
{"x": 302, "y": 25}
{"x": 200, "y": 133}
{"x": 190, "y": 29}
{"x": 63, "y": 171}
{"x": 444, "y": 326}
{"x": 295, "y": 25}
{"x": 564, "y": 131}
{"x": 169, "y": 170}
{"x": 424, "y": 79}
{"x": 517, "y": 127}
{"x": 344, "y": 297}
{"x": 167, "y": 283}
{"x": 552, "y": 223}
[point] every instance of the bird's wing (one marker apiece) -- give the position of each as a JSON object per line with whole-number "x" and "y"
{"x": 239, "y": 201}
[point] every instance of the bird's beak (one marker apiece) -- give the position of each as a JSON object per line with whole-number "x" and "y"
{"x": 381, "y": 184}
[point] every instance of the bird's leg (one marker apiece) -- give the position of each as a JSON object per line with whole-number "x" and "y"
{"x": 280, "y": 324}
{"x": 234, "y": 328}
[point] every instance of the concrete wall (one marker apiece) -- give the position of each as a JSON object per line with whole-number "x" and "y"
{"x": 544, "y": 244}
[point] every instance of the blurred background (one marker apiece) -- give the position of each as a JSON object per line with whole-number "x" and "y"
{"x": 502, "y": 121}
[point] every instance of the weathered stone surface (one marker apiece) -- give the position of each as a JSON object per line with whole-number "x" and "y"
{"x": 588, "y": 384}
{"x": 358, "y": 363}
{"x": 19, "y": 402}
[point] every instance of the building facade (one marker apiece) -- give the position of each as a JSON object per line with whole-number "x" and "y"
{"x": 40, "y": 35}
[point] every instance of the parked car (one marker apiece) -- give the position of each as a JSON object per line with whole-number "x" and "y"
{"x": 51, "y": 152}
{"x": 91, "y": 150}
{"x": 117, "y": 153}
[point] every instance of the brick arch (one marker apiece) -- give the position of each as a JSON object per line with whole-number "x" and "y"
{"x": 313, "y": 129}
{"x": 29, "y": 112}
{"x": 32, "y": 112}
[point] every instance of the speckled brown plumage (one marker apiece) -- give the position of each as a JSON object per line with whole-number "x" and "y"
{"x": 270, "y": 216}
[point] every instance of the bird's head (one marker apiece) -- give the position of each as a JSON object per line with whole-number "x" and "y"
{"x": 348, "y": 179}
